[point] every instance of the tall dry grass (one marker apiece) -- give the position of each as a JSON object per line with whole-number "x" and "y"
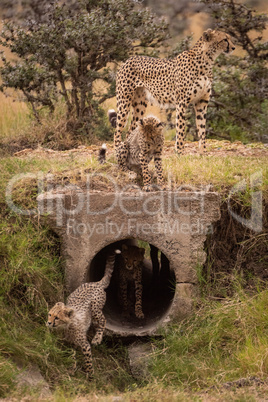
{"x": 14, "y": 116}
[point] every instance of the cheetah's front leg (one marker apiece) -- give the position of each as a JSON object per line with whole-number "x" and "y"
{"x": 86, "y": 349}
{"x": 99, "y": 321}
{"x": 122, "y": 154}
{"x": 180, "y": 127}
{"x": 158, "y": 167}
{"x": 139, "y": 105}
{"x": 200, "y": 117}
{"x": 146, "y": 177}
{"x": 122, "y": 295}
{"x": 138, "y": 293}
{"x": 123, "y": 107}
{"x": 138, "y": 303}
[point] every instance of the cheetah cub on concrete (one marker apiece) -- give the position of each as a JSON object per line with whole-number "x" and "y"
{"x": 143, "y": 144}
{"x": 84, "y": 306}
{"x": 130, "y": 271}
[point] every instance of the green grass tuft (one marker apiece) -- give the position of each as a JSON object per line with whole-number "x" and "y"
{"x": 222, "y": 342}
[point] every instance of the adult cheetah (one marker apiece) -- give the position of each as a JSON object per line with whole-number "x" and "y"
{"x": 180, "y": 81}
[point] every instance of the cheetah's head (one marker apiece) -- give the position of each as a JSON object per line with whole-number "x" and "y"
{"x": 150, "y": 126}
{"x": 132, "y": 256}
{"x": 218, "y": 42}
{"x": 59, "y": 316}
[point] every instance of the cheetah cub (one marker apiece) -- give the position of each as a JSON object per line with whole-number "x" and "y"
{"x": 84, "y": 306}
{"x": 130, "y": 270}
{"x": 143, "y": 144}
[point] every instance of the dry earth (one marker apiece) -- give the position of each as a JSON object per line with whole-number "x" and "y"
{"x": 214, "y": 148}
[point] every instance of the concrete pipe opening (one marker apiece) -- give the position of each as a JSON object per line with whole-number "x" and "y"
{"x": 158, "y": 283}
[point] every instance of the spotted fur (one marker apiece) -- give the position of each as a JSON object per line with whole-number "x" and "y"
{"x": 130, "y": 271}
{"x": 180, "y": 81}
{"x": 142, "y": 145}
{"x": 84, "y": 307}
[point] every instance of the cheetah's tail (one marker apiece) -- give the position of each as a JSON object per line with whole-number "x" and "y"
{"x": 102, "y": 154}
{"x": 112, "y": 115}
{"x": 109, "y": 268}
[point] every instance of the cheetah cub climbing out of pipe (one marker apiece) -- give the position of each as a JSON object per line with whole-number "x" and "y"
{"x": 84, "y": 307}
{"x": 141, "y": 146}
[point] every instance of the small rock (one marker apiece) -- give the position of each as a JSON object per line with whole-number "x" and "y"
{"x": 31, "y": 377}
{"x": 139, "y": 354}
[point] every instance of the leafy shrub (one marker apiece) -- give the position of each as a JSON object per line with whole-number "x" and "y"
{"x": 238, "y": 107}
{"x": 66, "y": 53}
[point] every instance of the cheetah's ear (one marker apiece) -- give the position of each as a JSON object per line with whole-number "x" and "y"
{"x": 68, "y": 311}
{"x": 207, "y": 35}
{"x": 142, "y": 252}
{"x": 60, "y": 304}
{"x": 161, "y": 124}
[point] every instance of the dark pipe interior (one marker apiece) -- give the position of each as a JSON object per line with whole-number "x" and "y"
{"x": 158, "y": 289}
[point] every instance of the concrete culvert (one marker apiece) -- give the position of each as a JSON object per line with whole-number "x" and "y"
{"x": 158, "y": 282}
{"x": 173, "y": 226}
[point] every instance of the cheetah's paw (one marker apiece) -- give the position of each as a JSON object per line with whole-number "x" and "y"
{"x": 132, "y": 176}
{"x": 96, "y": 341}
{"x": 139, "y": 314}
{"x": 148, "y": 188}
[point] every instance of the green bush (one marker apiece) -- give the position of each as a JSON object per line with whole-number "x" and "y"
{"x": 65, "y": 53}
{"x": 238, "y": 107}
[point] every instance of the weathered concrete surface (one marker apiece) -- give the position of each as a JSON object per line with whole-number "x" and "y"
{"x": 176, "y": 223}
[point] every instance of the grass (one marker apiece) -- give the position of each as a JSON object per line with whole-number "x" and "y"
{"x": 222, "y": 342}
{"x": 188, "y": 170}
{"x": 14, "y": 117}
{"x": 220, "y": 172}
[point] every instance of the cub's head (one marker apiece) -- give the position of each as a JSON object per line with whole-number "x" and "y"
{"x": 59, "y": 316}
{"x": 132, "y": 256}
{"x": 150, "y": 127}
{"x": 218, "y": 42}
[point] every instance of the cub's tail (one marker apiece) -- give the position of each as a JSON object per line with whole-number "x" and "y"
{"x": 109, "y": 268}
{"x": 112, "y": 115}
{"x": 102, "y": 154}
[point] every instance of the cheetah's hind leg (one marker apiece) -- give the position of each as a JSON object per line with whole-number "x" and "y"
{"x": 86, "y": 350}
{"x": 74, "y": 365}
{"x": 99, "y": 321}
